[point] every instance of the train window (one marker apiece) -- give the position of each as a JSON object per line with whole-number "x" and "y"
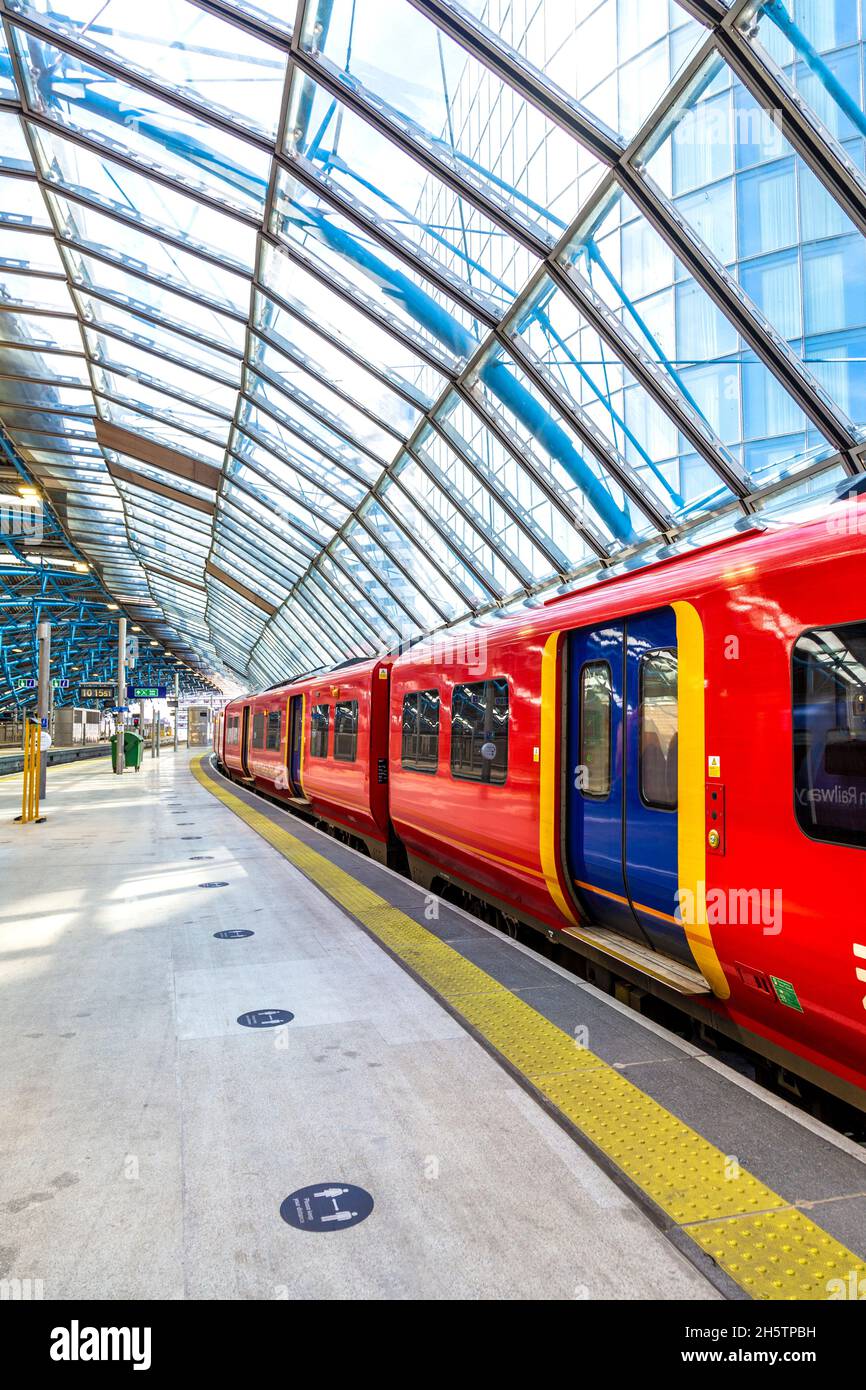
{"x": 596, "y": 696}
{"x": 346, "y": 730}
{"x": 319, "y": 719}
{"x": 830, "y": 733}
{"x": 420, "y": 747}
{"x": 259, "y": 729}
{"x": 272, "y": 737}
{"x": 479, "y": 731}
{"x": 233, "y": 729}
{"x": 658, "y": 730}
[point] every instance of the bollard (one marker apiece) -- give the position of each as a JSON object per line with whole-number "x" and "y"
{"x": 32, "y": 769}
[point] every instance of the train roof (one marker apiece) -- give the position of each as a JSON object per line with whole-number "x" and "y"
{"x": 691, "y": 560}
{"x": 670, "y": 573}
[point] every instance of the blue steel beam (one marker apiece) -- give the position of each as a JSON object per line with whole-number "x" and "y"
{"x": 778, "y": 14}
{"x": 84, "y": 638}
{"x": 421, "y": 306}
{"x": 425, "y": 310}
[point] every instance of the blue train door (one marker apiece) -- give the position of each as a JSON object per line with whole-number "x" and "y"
{"x": 296, "y": 734}
{"x": 245, "y": 741}
{"x": 650, "y": 805}
{"x": 621, "y": 802}
{"x": 594, "y": 796}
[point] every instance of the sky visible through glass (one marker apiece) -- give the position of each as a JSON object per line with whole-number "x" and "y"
{"x": 318, "y": 347}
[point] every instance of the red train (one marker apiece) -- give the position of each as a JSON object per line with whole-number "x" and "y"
{"x": 668, "y": 769}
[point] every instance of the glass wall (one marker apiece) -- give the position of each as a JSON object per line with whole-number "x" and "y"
{"x": 332, "y": 345}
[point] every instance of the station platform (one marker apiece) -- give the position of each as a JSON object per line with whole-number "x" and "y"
{"x": 244, "y": 1061}
{"x": 12, "y": 758}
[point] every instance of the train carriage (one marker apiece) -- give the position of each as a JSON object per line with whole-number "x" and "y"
{"x": 321, "y": 745}
{"x": 666, "y": 769}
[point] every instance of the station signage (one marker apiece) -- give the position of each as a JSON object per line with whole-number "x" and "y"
{"x": 97, "y": 692}
{"x": 146, "y": 692}
{"x": 30, "y": 683}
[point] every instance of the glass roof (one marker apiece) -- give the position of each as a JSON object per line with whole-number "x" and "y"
{"x": 337, "y": 328}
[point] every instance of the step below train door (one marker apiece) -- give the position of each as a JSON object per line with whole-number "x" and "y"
{"x": 622, "y": 820}
{"x": 296, "y": 736}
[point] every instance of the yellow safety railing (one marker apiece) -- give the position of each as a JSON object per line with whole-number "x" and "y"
{"x": 32, "y": 768}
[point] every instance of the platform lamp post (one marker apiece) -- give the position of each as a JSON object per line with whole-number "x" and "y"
{"x": 176, "y": 706}
{"x": 43, "y": 633}
{"x": 121, "y": 693}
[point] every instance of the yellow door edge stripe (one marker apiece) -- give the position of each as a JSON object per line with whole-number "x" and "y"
{"x": 768, "y": 1247}
{"x": 548, "y": 790}
{"x": 303, "y": 741}
{"x": 691, "y": 796}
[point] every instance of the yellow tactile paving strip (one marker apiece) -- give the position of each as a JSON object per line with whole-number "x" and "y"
{"x": 769, "y": 1248}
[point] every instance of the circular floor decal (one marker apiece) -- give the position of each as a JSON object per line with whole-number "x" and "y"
{"x": 265, "y": 1018}
{"x": 232, "y": 935}
{"x": 217, "y": 883}
{"x": 326, "y": 1206}
{"x": 208, "y": 857}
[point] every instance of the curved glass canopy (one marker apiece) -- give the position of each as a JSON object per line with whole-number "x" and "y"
{"x": 337, "y": 323}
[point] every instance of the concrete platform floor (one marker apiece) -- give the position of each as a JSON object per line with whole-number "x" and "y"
{"x": 148, "y": 1140}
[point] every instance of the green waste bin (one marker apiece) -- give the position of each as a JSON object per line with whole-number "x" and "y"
{"x": 133, "y": 749}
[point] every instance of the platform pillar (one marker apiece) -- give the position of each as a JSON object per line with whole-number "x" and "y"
{"x": 121, "y": 691}
{"x": 43, "y": 633}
